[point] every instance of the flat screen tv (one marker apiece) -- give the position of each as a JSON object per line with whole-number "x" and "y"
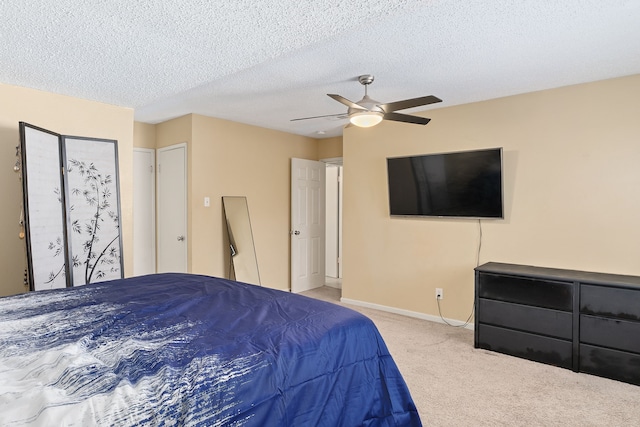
{"x": 466, "y": 184}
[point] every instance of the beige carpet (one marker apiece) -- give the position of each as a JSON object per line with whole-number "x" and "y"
{"x": 454, "y": 384}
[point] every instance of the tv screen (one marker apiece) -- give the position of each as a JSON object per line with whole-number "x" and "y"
{"x": 465, "y": 184}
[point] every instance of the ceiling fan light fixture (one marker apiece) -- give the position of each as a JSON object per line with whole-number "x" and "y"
{"x": 368, "y": 112}
{"x": 366, "y": 119}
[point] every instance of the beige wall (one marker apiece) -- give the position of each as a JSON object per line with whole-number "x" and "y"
{"x": 571, "y": 180}
{"x": 68, "y": 116}
{"x": 233, "y": 159}
{"x": 144, "y": 135}
{"x": 570, "y": 158}
{"x": 175, "y": 131}
{"x": 330, "y": 148}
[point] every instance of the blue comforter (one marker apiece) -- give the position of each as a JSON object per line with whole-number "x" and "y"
{"x": 177, "y": 349}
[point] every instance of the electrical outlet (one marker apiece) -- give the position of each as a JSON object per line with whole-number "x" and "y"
{"x": 438, "y": 293}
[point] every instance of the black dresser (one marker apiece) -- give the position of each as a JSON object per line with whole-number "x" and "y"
{"x": 588, "y": 322}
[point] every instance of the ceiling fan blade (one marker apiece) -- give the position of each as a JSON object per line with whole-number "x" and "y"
{"x": 409, "y": 103}
{"x": 406, "y": 118}
{"x": 319, "y": 117}
{"x": 346, "y": 102}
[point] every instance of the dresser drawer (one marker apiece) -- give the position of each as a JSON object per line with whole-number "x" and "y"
{"x": 526, "y": 318}
{"x": 552, "y": 351}
{"x": 613, "y": 333}
{"x": 537, "y": 292}
{"x": 610, "y": 302}
{"x": 614, "y": 364}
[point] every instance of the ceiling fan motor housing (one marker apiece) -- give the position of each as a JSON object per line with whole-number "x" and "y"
{"x": 367, "y": 103}
{"x": 366, "y": 79}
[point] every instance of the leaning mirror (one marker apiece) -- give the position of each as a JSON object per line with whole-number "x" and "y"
{"x": 243, "y": 254}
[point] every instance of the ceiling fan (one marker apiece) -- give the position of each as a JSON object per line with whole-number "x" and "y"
{"x": 368, "y": 112}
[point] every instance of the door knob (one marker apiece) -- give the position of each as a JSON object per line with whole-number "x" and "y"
{"x": 180, "y": 238}
{"x": 297, "y": 233}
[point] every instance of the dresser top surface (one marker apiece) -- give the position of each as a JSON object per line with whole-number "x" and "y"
{"x": 586, "y": 277}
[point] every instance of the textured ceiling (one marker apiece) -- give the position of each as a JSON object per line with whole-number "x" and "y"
{"x": 265, "y": 62}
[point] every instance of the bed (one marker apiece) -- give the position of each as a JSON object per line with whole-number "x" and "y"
{"x": 179, "y": 349}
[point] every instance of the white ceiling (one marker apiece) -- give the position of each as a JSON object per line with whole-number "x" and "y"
{"x": 265, "y": 62}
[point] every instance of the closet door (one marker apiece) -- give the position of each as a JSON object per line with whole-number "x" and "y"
{"x": 172, "y": 209}
{"x": 93, "y": 209}
{"x": 144, "y": 211}
{"x": 44, "y": 208}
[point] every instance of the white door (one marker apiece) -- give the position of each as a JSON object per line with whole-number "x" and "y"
{"x": 172, "y": 209}
{"x": 144, "y": 211}
{"x": 307, "y": 224}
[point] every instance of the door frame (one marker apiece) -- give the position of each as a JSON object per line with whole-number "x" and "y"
{"x": 338, "y": 162}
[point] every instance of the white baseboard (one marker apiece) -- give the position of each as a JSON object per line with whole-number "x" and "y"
{"x": 408, "y": 313}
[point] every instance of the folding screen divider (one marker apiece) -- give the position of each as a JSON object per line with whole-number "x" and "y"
{"x": 72, "y": 208}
